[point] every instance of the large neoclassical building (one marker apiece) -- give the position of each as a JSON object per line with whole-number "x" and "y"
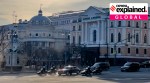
{"x": 34, "y": 42}
{"x": 90, "y": 31}
{"x": 101, "y": 38}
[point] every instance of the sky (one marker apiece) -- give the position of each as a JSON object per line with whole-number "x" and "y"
{"x": 26, "y": 9}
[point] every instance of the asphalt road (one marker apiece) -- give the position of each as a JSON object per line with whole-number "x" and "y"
{"x": 112, "y": 76}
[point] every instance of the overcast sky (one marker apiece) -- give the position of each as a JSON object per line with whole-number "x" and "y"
{"x": 25, "y": 9}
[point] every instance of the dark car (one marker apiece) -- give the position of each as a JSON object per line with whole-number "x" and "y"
{"x": 69, "y": 70}
{"x": 101, "y": 65}
{"x": 130, "y": 67}
{"x": 145, "y": 64}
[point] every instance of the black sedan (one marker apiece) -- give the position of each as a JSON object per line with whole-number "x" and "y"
{"x": 69, "y": 70}
{"x": 130, "y": 67}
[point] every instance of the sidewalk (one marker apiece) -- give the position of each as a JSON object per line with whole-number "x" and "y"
{"x": 17, "y": 72}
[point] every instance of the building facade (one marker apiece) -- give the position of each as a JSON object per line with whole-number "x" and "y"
{"x": 89, "y": 34}
{"x": 34, "y": 42}
{"x": 106, "y": 39}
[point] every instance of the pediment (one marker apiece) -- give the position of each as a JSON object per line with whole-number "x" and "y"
{"x": 93, "y": 11}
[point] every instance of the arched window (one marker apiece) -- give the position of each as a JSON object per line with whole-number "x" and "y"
{"x": 94, "y": 36}
{"x": 112, "y": 37}
{"x": 137, "y": 38}
{"x": 145, "y": 38}
{"x": 119, "y": 37}
{"x": 129, "y": 37}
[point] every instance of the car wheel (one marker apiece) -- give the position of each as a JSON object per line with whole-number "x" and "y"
{"x": 59, "y": 74}
{"x": 67, "y": 73}
{"x": 78, "y": 72}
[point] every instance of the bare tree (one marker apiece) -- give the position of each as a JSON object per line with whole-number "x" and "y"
{"x": 3, "y": 44}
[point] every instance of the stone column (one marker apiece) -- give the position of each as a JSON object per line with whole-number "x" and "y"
{"x": 102, "y": 31}
{"x": 82, "y": 34}
{"x": 99, "y": 32}
{"x": 86, "y": 30}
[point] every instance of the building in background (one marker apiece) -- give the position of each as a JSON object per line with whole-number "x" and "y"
{"x": 88, "y": 35}
{"x": 35, "y": 42}
{"x": 103, "y": 39}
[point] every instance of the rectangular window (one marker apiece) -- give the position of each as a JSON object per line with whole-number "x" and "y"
{"x": 79, "y": 40}
{"x": 137, "y": 24}
{"x": 119, "y": 23}
{"x": 9, "y": 59}
{"x": 145, "y": 25}
{"x": 112, "y": 50}
{"x": 111, "y": 24}
{"x": 94, "y": 35}
{"x": 128, "y": 50}
{"x": 79, "y": 28}
{"x": 145, "y": 51}
{"x": 73, "y": 40}
{"x": 128, "y": 23}
{"x": 129, "y": 37}
{"x": 112, "y": 37}
{"x": 74, "y": 28}
{"x": 119, "y": 50}
{"x": 137, "y": 51}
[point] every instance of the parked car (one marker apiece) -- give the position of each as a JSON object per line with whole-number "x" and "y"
{"x": 69, "y": 70}
{"x": 101, "y": 65}
{"x": 130, "y": 67}
{"x": 145, "y": 64}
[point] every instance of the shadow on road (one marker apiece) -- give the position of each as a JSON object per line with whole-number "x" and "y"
{"x": 115, "y": 75}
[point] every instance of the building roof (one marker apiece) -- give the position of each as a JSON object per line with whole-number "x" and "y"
{"x": 40, "y": 19}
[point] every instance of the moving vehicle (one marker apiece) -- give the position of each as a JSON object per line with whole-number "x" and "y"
{"x": 86, "y": 71}
{"x": 101, "y": 65}
{"x": 97, "y": 71}
{"x": 42, "y": 71}
{"x": 52, "y": 70}
{"x": 130, "y": 67}
{"x": 69, "y": 70}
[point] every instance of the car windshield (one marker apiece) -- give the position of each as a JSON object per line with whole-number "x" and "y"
{"x": 95, "y": 64}
{"x": 127, "y": 64}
